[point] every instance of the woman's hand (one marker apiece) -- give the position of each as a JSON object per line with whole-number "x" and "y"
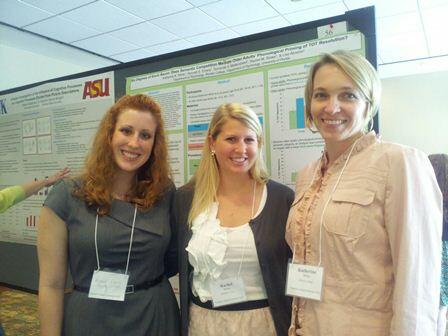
{"x": 49, "y": 181}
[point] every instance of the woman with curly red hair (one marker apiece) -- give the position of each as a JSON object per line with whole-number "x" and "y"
{"x": 111, "y": 228}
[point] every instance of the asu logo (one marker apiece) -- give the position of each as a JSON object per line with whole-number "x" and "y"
{"x": 3, "y": 107}
{"x": 96, "y": 88}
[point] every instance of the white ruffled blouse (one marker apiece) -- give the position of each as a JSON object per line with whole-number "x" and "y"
{"x": 207, "y": 252}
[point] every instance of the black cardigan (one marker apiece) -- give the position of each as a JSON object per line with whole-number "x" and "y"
{"x": 272, "y": 250}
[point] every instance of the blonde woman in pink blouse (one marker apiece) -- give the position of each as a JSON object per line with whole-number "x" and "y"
{"x": 365, "y": 226}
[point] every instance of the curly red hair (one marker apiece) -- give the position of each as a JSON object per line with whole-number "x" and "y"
{"x": 153, "y": 178}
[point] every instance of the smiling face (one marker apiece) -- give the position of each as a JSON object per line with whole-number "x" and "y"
{"x": 133, "y": 140}
{"x": 338, "y": 108}
{"x": 235, "y": 147}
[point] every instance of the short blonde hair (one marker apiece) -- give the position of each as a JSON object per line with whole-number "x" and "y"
{"x": 360, "y": 71}
{"x": 206, "y": 178}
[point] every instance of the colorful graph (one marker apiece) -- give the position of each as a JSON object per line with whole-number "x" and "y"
{"x": 297, "y": 117}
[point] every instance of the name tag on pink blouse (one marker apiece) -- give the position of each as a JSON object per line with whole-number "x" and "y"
{"x": 228, "y": 291}
{"x": 305, "y": 281}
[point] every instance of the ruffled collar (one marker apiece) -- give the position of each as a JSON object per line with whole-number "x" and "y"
{"x": 207, "y": 216}
{"x": 363, "y": 142}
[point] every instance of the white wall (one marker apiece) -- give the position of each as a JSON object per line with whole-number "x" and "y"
{"x": 28, "y": 67}
{"x": 414, "y": 111}
{"x": 26, "y": 58}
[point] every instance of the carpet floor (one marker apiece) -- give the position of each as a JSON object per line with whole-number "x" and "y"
{"x": 18, "y": 313}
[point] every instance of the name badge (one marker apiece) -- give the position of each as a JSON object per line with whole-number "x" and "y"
{"x": 228, "y": 291}
{"x": 305, "y": 281}
{"x": 108, "y": 285}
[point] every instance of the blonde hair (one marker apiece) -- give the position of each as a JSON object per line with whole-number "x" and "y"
{"x": 360, "y": 71}
{"x": 206, "y": 179}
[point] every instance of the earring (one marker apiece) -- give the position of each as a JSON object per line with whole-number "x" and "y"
{"x": 310, "y": 123}
{"x": 213, "y": 153}
{"x": 315, "y": 130}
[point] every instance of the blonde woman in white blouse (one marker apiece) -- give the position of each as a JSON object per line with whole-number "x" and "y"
{"x": 231, "y": 220}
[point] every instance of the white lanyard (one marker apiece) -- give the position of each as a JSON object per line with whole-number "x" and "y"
{"x": 249, "y": 232}
{"x": 232, "y": 290}
{"x": 328, "y": 199}
{"x": 306, "y": 281}
{"x": 130, "y": 241}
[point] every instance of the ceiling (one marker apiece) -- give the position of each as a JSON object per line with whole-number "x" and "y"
{"x": 127, "y": 30}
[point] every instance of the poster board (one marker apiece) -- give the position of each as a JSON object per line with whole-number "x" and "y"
{"x": 271, "y": 82}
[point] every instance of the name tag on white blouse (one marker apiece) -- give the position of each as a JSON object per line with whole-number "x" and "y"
{"x": 108, "y": 285}
{"x": 304, "y": 281}
{"x": 228, "y": 291}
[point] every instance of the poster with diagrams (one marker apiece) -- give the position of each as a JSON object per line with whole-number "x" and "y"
{"x": 42, "y": 130}
{"x": 270, "y": 81}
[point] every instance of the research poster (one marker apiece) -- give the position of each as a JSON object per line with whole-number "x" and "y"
{"x": 270, "y": 81}
{"x": 48, "y": 127}
{"x": 42, "y": 130}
